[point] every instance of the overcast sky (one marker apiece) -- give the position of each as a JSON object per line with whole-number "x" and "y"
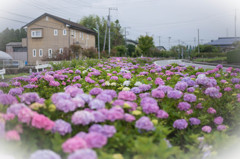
{"x": 178, "y": 19}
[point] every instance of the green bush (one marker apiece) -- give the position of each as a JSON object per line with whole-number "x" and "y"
{"x": 233, "y": 56}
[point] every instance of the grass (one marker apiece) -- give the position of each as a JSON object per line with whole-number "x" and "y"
{"x": 210, "y": 59}
{"x": 10, "y": 76}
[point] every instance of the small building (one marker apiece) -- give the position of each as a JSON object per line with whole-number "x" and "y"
{"x": 225, "y": 43}
{"x": 49, "y": 35}
{"x": 132, "y": 42}
{"x": 161, "y": 48}
{"x": 17, "y": 50}
{"x": 5, "y": 59}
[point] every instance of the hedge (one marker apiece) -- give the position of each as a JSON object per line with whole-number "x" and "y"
{"x": 233, "y": 56}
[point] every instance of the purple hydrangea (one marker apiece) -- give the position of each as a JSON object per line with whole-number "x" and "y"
{"x": 136, "y": 90}
{"x": 58, "y": 96}
{"x": 194, "y": 121}
{"x": 15, "y": 91}
{"x": 79, "y": 102}
{"x": 206, "y": 129}
{"x": 82, "y": 117}
{"x": 218, "y": 120}
{"x": 62, "y": 127}
{"x": 86, "y": 97}
{"x": 106, "y": 130}
{"x": 143, "y": 95}
{"x": 4, "y": 84}
{"x": 7, "y": 99}
{"x": 83, "y": 154}
{"x": 15, "y": 108}
{"x": 211, "y": 110}
{"x": 159, "y": 81}
{"x": 127, "y": 95}
{"x": 235, "y": 80}
{"x": 2, "y": 129}
{"x": 129, "y": 117}
{"x": 144, "y": 123}
{"x": 110, "y": 92}
{"x": 73, "y": 91}
{"x": 162, "y": 114}
{"x": 66, "y": 105}
{"x": 191, "y": 89}
{"x": 180, "y": 124}
{"x": 96, "y": 104}
{"x": 213, "y": 92}
{"x": 115, "y": 113}
{"x": 157, "y": 93}
{"x": 104, "y": 97}
{"x": 95, "y": 91}
{"x": 165, "y": 89}
{"x": 221, "y": 127}
{"x": 175, "y": 94}
{"x": 145, "y": 87}
{"x": 29, "y": 98}
{"x": 181, "y": 86}
{"x": 44, "y": 154}
{"x": 95, "y": 140}
{"x": 189, "y": 97}
{"x": 98, "y": 116}
{"x": 184, "y": 106}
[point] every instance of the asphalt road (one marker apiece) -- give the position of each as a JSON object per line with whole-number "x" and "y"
{"x": 166, "y": 62}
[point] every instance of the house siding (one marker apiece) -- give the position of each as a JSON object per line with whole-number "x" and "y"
{"x": 50, "y": 41}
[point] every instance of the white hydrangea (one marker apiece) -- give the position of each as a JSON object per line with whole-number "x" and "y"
{"x": 113, "y": 84}
{"x": 126, "y": 83}
{"x": 107, "y": 83}
{"x": 137, "y": 84}
{"x": 85, "y": 71}
{"x": 126, "y": 89}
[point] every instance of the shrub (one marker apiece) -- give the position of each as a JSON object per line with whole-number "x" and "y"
{"x": 233, "y": 56}
{"x": 90, "y": 53}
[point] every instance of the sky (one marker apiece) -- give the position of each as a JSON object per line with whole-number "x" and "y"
{"x": 174, "y": 21}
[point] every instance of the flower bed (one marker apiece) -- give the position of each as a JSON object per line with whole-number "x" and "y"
{"x": 119, "y": 109}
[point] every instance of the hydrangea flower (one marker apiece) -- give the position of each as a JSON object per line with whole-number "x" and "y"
{"x": 144, "y": 123}
{"x": 62, "y": 127}
{"x": 40, "y": 121}
{"x": 175, "y": 94}
{"x": 181, "y": 86}
{"x": 158, "y": 93}
{"x": 206, "y": 129}
{"x": 221, "y": 127}
{"x": 162, "y": 114}
{"x": 211, "y": 110}
{"x": 82, "y": 117}
{"x": 66, "y": 105}
{"x": 74, "y": 144}
{"x": 218, "y": 120}
{"x": 184, "y": 106}
{"x": 95, "y": 91}
{"x": 44, "y": 154}
{"x": 7, "y": 99}
{"x": 12, "y": 135}
{"x": 15, "y": 91}
{"x": 194, "y": 121}
{"x": 127, "y": 95}
{"x": 189, "y": 97}
{"x": 83, "y": 154}
{"x": 180, "y": 124}
{"x": 104, "y": 97}
{"x": 95, "y": 140}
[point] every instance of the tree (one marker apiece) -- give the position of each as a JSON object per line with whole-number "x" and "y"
{"x": 116, "y": 35}
{"x": 145, "y": 43}
{"x": 11, "y": 35}
{"x": 137, "y": 52}
{"x": 121, "y": 50}
{"x": 207, "y": 48}
{"x": 130, "y": 49}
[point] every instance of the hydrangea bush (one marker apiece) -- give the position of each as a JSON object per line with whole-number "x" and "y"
{"x": 118, "y": 109}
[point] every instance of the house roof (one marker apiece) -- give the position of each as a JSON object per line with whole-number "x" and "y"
{"x": 160, "y": 47}
{"x": 65, "y": 21}
{"x": 18, "y": 44}
{"x": 5, "y": 56}
{"x": 224, "y": 41}
{"x": 131, "y": 41}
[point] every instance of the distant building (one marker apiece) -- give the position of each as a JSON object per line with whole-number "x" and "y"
{"x": 161, "y": 48}
{"x": 49, "y": 34}
{"x": 17, "y": 50}
{"x": 225, "y": 43}
{"x": 132, "y": 42}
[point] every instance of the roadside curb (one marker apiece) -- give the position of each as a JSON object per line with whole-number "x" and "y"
{"x": 211, "y": 64}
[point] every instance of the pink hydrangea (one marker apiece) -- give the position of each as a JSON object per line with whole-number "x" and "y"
{"x": 95, "y": 140}
{"x": 25, "y": 115}
{"x": 40, "y": 121}
{"x": 158, "y": 93}
{"x": 12, "y": 135}
{"x": 162, "y": 114}
{"x": 218, "y": 120}
{"x": 211, "y": 110}
{"x": 127, "y": 95}
{"x": 206, "y": 129}
{"x": 74, "y": 144}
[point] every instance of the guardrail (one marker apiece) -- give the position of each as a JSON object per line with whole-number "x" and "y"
{"x": 42, "y": 67}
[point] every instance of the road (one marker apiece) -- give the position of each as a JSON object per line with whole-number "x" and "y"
{"x": 166, "y": 62}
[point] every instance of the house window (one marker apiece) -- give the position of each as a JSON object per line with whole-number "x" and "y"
{"x": 36, "y": 33}
{"x": 55, "y": 32}
{"x": 82, "y": 36}
{"x": 74, "y": 34}
{"x": 40, "y": 52}
{"x": 87, "y": 37}
{"x": 34, "y": 52}
{"x": 49, "y": 53}
{"x": 60, "y": 50}
{"x": 64, "y": 32}
{"x": 46, "y": 18}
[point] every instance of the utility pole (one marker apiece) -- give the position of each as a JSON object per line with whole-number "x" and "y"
{"x": 109, "y": 29}
{"x": 198, "y": 42}
{"x": 125, "y": 35}
{"x": 235, "y": 20}
{"x": 98, "y": 40}
{"x": 169, "y": 38}
{"x": 159, "y": 40}
{"x": 105, "y": 37}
